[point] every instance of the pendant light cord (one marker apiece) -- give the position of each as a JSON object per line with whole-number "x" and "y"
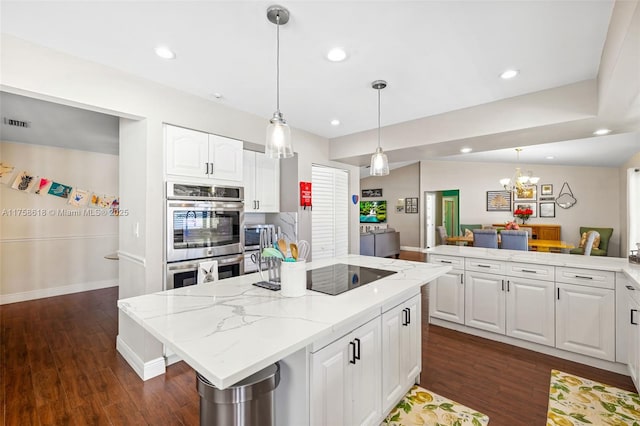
{"x": 278, "y": 62}
{"x": 378, "y": 118}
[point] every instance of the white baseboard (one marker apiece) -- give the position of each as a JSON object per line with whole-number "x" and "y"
{"x": 408, "y": 248}
{"x": 146, "y": 370}
{"x": 55, "y": 291}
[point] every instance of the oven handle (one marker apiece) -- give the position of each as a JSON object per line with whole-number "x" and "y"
{"x": 237, "y": 206}
{"x": 228, "y": 260}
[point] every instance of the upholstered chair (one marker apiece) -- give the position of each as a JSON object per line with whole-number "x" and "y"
{"x": 588, "y": 246}
{"x": 603, "y": 247}
{"x": 485, "y": 238}
{"x": 442, "y": 233}
{"x": 514, "y": 240}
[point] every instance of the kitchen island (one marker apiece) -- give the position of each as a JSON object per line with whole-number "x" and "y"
{"x": 230, "y": 329}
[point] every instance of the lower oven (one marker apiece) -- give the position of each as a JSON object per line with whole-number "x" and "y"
{"x": 183, "y": 274}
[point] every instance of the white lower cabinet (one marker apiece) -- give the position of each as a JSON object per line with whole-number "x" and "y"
{"x": 345, "y": 379}
{"x": 446, "y": 293}
{"x": 633, "y": 335}
{"x": 401, "y": 351}
{"x": 530, "y": 310}
{"x": 484, "y": 301}
{"x": 585, "y": 320}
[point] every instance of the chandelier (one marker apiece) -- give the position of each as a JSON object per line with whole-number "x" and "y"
{"x": 519, "y": 181}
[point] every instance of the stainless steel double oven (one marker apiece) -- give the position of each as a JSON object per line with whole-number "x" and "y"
{"x": 204, "y": 222}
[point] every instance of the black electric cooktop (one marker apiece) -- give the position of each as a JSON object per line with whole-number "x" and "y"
{"x": 338, "y": 278}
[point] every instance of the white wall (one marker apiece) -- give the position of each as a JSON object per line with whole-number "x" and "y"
{"x": 597, "y": 190}
{"x": 633, "y": 162}
{"x": 56, "y": 254}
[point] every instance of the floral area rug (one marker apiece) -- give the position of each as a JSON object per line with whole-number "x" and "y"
{"x": 575, "y": 401}
{"x": 423, "y": 407}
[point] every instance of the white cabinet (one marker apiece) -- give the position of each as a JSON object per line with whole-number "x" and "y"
{"x": 446, "y": 293}
{"x": 197, "y": 154}
{"x": 585, "y": 320}
{"x": 261, "y": 181}
{"x": 401, "y": 351}
{"x": 530, "y": 310}
{"x": 633, "y": 335}
{"x": 345, "y": 379}
{"x": 484, "y": 301}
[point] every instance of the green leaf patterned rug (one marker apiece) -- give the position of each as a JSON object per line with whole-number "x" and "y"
{"x": 575, "y": 401}
{"x": 423, "y": 407}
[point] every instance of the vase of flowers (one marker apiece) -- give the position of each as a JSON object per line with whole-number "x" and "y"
{"x": 523, "y": 214}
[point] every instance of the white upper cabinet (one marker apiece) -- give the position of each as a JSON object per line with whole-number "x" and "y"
{"x": 261, "y": 183}
{"x": 197, "y": 154}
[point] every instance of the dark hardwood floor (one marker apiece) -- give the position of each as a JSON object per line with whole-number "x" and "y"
{"x": 59, "y": 366}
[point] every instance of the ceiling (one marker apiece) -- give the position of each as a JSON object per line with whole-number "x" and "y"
{"x": 437, "y": 56}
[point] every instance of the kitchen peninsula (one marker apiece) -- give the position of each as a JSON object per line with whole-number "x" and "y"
{"x": 582, "y": 308}
{"x": 230, "y": 329}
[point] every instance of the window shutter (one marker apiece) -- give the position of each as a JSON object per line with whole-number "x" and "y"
{"x": 330, "y": 215}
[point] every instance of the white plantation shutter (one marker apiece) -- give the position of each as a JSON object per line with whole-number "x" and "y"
{"x": 330, "y": 215}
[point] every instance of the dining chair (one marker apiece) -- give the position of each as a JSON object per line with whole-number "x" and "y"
{"x": 514, "y": 240}
{"x": 529, "y": 230}
{"x": 442, "y": 232}
{"x": 591, "y": 236}
{"x": 487, "y": 238}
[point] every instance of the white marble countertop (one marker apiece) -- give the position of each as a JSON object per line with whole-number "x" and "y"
{"x": 230, "y": 329}
{"x": 615, "y": 264}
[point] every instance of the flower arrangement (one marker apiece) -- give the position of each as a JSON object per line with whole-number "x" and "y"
{"x": 513, "y": 225}
{"x": 523, "y": 214}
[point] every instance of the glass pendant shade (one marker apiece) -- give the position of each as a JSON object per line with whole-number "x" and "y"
{"x": 379, "y": 163}
{"x": 278, "y": 144}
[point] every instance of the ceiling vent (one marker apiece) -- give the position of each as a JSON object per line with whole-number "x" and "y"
{"x": 16, "y": 123}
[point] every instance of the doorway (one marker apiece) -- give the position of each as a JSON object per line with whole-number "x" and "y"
{"x": 442, "y": 208}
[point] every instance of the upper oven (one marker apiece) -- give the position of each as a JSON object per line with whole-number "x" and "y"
{"x": 203, "y": 221}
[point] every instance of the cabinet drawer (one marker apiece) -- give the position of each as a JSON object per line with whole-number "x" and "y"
{"x": 586, "y": 277}
{"x": 484, "y": 265}
{"x": 528, "y": 270}
{"x": 454, "y": 261}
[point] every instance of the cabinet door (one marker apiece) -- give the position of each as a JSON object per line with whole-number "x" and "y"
{"x": 585, "y": 320}
{"x": 446, "y": 297}
{"x": 633, "y": 340}
{"x": 187, "y": 152}
{"x": 225, "y": 154}
{"x": 549, "y": 233}
{"x": 411, "y": 341}
{"x": 392, "y": 382}
{"x": 267, "y": 184}
{"x": 365, "y": 390}
{"x": 249, "y": 181}
{"x": 331, "y": 375}
{"x": 484, "y": 301}
{"x": 530, "y": 310}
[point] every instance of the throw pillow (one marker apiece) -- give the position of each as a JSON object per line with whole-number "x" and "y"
{"x": 583, "y": 241}
{"x": 468, "y": 233}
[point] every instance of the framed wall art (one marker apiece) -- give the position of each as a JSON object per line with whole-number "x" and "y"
{"x": 523, "y": 206}
{"x": 547, "y": 209}
{"x": 498, "y": 201}
{"x": 366, "y": 193}
{"x": 411, "y": 205}
{"x": 526, "y": 193}
{"x": 546, "y": 189}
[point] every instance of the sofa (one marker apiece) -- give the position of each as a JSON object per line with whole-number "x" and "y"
{"x": 380, "y": 243}
{"x": 603, "y": 248}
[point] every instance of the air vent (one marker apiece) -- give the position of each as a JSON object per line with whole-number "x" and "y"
{"x": 14, "y": 122}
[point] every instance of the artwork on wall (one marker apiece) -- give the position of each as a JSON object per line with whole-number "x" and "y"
{"x": 42, "y": 185}
{"x": 526, "y": 193}
{"x": 524, "y": 206}
{"x": 400, "y": 205}
{"x": 372, "y": 192}
{"x": 411, "y": 205}
{"x": 498, "y": 201}
{"x": 105, "y": 201}
{"x": 547, "y": 209}
{"x": 5, "y": 172}
{"x": 59, "y": 190}
{"x": 546, "y": 189}
{"x": 79, "y": 197}
{"x": 25, "y": 181}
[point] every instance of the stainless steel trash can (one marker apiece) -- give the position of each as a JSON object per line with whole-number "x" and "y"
{"x": 249, "y": 402}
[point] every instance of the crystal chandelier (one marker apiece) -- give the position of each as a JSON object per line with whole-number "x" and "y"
{"x": 519, "y": 181}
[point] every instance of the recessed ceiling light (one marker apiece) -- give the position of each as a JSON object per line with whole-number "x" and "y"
{"x": 337, "y": 54}
{"x": 508, "y": 74}
{"x": 165, "y": 52}
{"x": 549, "y": 157}
{"x": 217, "y": 95}
{"x": 465, "y": 150}
{"x": 335, "y": 122}
{"x": 601, "y": 132}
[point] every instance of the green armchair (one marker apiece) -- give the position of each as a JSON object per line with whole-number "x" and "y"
{"x": 469, "y": 227}
{"x": 605, "y": 236}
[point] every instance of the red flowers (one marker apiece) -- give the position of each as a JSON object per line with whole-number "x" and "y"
{"x": 523, "y": 213}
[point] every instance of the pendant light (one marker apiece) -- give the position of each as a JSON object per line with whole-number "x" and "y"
{"x": 278, "y": 144}
{"x": 379, "y": 161}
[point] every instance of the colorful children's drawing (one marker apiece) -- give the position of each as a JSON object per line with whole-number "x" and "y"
{"x": 59, "y": 190}
{"x": 115, "y": 207}
{"x": 95, "y": 199}
{"x": 105, "y": 201}
{"x": 25, "y": 181}
{"x": 42, "y": 185}
{"x": 79, "y": 197}
{"x": 5, "y": 172}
